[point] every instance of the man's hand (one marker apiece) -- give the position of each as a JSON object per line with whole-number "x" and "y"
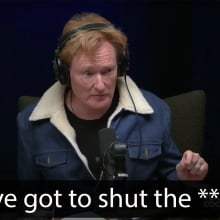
{"x": 191, "y": 167}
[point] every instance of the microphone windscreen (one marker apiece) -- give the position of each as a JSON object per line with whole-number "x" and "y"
{"x": 107, "y": 137}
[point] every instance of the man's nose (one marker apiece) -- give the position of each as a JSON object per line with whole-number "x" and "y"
{"x": 99, "y": 82}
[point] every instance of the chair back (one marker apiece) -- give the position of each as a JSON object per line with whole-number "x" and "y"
{"x": 188, "y": 119}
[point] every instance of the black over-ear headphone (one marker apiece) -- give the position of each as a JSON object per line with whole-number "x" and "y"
{"x": 62, "y": 70}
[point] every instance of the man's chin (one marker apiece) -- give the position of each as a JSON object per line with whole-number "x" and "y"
{"x": 101, "y": 98}
{"x": 100, "y": 106}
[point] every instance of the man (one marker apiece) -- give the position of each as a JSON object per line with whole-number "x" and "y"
{"x": 58, "y": 136}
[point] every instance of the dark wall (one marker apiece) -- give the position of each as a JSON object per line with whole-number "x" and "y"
{"x": 205, "y": 73}
{"x": 174, "y": 48}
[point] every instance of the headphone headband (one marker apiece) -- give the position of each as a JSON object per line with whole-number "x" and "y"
{"x": 61, "y": 69}
{"x": 71, "y": 34}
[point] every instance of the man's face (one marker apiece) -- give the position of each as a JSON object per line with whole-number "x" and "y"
{"x": 93, "y": 79}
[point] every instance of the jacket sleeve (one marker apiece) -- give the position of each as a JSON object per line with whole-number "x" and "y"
{"x": 26, "y": 168}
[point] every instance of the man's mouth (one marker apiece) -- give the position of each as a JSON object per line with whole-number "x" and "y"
{"x": 100, "y": 96}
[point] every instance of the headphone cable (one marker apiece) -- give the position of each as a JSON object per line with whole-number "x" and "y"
{"x": 138, "y": 123}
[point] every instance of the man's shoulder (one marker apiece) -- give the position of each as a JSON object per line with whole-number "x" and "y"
{"x": 24, "y": 114}
{"x": 154, "y": 100}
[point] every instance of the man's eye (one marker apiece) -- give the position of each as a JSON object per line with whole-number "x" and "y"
{"x": 87, "y": 74}
{"x": 107, "y": 71}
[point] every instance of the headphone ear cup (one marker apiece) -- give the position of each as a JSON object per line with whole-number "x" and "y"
{"x": 123, "y": 64}
{"x": 61, "y": 71}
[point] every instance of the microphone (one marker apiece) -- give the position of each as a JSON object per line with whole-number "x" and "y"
{"x": 113, "y": 155}
{"x": 107, "y": 137}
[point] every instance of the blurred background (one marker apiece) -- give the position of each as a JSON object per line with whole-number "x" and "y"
{"x": 174, "y": 48}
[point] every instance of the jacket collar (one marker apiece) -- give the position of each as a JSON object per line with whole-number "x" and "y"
{"x": 52, "y": 101}
{"x": 131, "y": 97}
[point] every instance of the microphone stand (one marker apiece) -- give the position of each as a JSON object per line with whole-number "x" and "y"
{"x": 114, "y": 168}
